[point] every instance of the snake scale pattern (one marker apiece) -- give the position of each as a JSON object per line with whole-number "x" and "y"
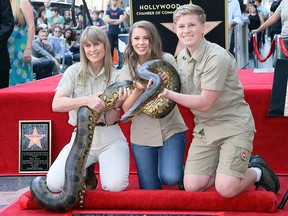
{"x": 148, "y": 102}
{"x": 74, "y": 187}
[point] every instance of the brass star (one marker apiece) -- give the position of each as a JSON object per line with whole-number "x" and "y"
{"x": 35, "y": 138}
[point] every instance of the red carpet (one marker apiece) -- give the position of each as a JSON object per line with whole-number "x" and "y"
{"x": 32, "y": 101}
{"x": 171, "y": 199}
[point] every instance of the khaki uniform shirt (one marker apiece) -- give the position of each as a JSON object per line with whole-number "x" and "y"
{"x": 213, "y": 68}
{"x": 73, "y": 84}
{"x": 150, "y": 131}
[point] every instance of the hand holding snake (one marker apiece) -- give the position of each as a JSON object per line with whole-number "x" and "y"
{"x": 148, "y": 103}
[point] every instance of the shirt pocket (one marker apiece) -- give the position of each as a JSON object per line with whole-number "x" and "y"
{"x": 80, "y": 91}
{"x": 241, "y": 156}
{"x": 197, "y": 77}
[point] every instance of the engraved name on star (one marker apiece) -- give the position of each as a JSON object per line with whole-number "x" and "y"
{"x": 35, "y": 138}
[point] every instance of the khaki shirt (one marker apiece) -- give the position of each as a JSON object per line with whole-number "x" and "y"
{"x": 150, "y": 131}
{"x": 213, "y": 68}
{"x": 73, "y": 84}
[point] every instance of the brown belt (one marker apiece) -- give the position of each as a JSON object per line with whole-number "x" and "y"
{"x": 102, "y": 124}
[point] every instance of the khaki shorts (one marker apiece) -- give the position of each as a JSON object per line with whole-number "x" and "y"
{"x": 229, "y": 156}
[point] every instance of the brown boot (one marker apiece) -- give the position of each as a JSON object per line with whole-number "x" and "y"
{"x": 91, "y": 180}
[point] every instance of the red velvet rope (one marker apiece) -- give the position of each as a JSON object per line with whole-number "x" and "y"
{"x": 284, "y": 50}
{"x": 257, "y": 51}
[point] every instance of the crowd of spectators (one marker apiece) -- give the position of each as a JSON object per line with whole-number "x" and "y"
{"x": 254, "y": 14}
{"x": 48, "y": 19}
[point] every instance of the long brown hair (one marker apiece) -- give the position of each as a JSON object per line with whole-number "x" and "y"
{"x": 155, "y": 49}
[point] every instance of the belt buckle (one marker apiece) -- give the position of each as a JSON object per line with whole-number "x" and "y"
{"x": 101, "y": 124}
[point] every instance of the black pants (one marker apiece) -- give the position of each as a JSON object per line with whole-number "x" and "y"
{"x": 76, "y": 57}
{"x": 232, "y": 43}
{"x": 43, "y": 68}
{"x": 113, "y": 40}
{"x": 4, "y": 78}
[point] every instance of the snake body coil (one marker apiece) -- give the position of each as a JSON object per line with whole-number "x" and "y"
{"x": 74, "y": 186}
{"x": 148, "y": 102}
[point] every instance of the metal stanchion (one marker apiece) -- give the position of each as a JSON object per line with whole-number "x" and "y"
{"x": 283, "y": 201}
{"x": 255, "y": 61}
{"x": 277, "y": 51}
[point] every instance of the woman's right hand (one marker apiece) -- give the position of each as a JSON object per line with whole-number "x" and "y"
{"x": 123, "y": 94}
{"x": 253, "y": 31}
{"x": 95, "y": 103}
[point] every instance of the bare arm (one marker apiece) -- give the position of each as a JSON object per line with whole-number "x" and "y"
{"x": 107, "y": 18}
{"x": 136, "y": 93}
{"x": 202, "y": 102}
{"x": 104, "y": 27}
{"x": 27, "y": 11}
{"x": 63, "y": 103}
{"x": 271, "y": 20}
{"x": 114, "y": 114}
{"x": 114, "y": 21}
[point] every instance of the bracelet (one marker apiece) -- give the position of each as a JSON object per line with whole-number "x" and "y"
{"x": 117, "y": 109}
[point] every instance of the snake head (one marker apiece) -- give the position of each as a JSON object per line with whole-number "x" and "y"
{"x": 127, "y": 117}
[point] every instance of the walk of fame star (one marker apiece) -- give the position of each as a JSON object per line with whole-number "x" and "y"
{"x": 35, "y": 138}
{"x": 210, "y": 25}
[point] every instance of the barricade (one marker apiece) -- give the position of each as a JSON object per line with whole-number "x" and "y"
{"x": 241, "y": 34}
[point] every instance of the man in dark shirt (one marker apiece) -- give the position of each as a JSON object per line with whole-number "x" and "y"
{"x": 97, "y": 21}
{"x": 114, "y": 17}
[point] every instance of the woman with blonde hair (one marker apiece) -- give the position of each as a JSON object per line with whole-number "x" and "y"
{"x": 81, "y": 85}
{"x": 20, "y": 42}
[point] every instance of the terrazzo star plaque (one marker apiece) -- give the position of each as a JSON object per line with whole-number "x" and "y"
{"x": 160, "y": 13}
{"x": 34, "y": 146}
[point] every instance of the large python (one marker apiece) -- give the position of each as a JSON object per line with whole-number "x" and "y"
{"x": 148, "y": 102}
{"x": 74, "y": 186}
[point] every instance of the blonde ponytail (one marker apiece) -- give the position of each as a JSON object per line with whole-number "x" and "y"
{"x": 17, "y": 13}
